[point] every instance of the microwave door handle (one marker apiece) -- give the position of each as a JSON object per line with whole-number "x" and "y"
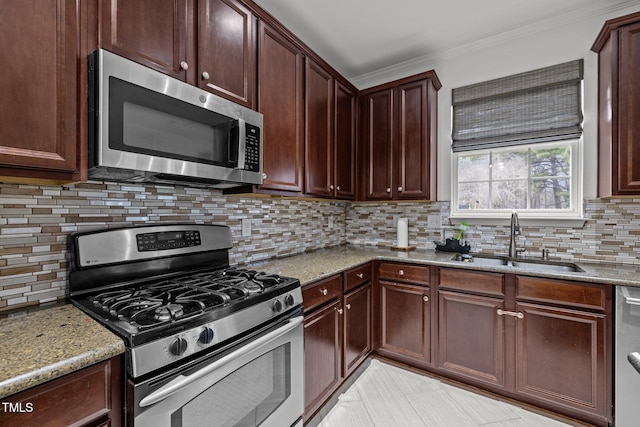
{"x": 182, "y": 381}
{"x": 242, "y": 143}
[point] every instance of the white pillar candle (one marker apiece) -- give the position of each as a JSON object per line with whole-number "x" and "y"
{"x": 403, "y": 232}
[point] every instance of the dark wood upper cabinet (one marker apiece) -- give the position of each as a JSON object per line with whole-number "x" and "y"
{"x": 156, "y": 33}
{"x": 163, "y": 35}
{"x": 344, "y": 141}
{"x": 281, "y": 101}
{"x": 329, "y": 134}
{"x": 43, "y": 119}
{"x": 380, "y": 139}
{"x": 227, "y": 50}
{"x": 399, "y": 138}
{"x": 318, "y": 130}
{"x": 618, "y": 48}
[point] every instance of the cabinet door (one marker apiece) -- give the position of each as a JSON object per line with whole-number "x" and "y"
{"x": 281, "y": 101}
{"x": 41, "y": 85}
{"x": 227, "y": 50}
{"x": 471, "y": 337}
{"x": 357, "y": 327}
{"x": 380, "y": 134}
{"x": 322, "y": 355}
{"x": 318, "y": 131}
{"x": 628, "y": 112}
{"x": 413, "y": 141}
{"x": 561, "y": 357}
{"x": 405, "y": 321}
{"x": 89, "y": 397}
{"x": 151, "y": 32}
{"x": 344, "y": 142}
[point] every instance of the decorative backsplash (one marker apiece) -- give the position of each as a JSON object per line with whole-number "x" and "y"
{"x": 611, "y": 232}
{"x": 35, "y": 221}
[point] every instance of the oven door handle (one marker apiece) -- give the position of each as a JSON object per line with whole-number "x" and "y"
{"x": 182, "y": 381}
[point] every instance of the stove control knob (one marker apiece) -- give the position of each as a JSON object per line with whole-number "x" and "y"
{"x": 288, "y": 300}
{"x": 277, "y": 306}
{"x": 178, "y": 347}
{"x": 206, "y": 336}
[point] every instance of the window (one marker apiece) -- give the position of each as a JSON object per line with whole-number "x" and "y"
{"x": 516, "y": 145}
{"x": 540, "y": 178}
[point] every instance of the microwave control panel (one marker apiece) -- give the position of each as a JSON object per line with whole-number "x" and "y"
{"x": 252, "y": 150}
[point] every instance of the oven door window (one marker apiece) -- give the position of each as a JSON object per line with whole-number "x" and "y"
{"x": 246, "y": 397}
{"x": 148, "y": 122}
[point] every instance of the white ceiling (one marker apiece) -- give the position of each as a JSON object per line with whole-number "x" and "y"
{"x": 358, "y": 37}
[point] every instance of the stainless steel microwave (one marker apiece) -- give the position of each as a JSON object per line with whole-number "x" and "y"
{"x": 145, "y": 126}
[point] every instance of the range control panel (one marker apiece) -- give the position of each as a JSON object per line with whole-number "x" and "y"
{"x": 167, "y": 240}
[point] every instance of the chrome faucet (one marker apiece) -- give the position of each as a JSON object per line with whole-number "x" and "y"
{"x": 515, "y": 231}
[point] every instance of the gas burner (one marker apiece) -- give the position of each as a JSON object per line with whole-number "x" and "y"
{"x": 267, "y": 280}
{"x": 168, "y": 312}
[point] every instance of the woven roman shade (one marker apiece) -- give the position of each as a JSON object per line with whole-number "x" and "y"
{"x": 536, "y": 106}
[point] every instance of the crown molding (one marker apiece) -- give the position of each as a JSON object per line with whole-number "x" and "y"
{"x": 425, "y": 62}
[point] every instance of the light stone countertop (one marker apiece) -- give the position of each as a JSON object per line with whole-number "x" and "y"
{"x": 48, "y": 343}
{"x": 313, "y": 266}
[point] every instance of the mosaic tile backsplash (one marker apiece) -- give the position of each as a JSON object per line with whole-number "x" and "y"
{"x": 35, "y": 221}
{"x": 611, "y": 232}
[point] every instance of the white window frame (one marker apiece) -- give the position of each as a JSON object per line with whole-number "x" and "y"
{"x": 576, "y": 198}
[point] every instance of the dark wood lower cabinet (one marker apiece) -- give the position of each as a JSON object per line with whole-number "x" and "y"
{"x": 545, "y": 342}
{"x": 322, "y": 355}
{"x": 405, "y": 321}
{"x": 560, "y": 358}
{"x": 337, "y": 332}
{"x": 89, "y": 397}
{"x": 357, "y": 327}
{"x": 471, "y": 337}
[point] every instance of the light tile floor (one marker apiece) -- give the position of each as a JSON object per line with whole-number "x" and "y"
{"x": 388, "y": 396}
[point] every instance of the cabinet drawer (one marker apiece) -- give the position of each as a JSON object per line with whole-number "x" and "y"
{"x": 321, "y": 292}
{"x": 74, "y": 399}
{"x": 357, "y": 276}
{"x": 472, "y": 281}
{"x": 404, "y": 273}
{"x": 560, "y": 292}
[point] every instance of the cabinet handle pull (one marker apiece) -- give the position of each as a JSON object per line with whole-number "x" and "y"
{"x": 331, "y": 187}
{"x": 340, "y": 311}
{"x": 388, "y": 190}
{"x": 348, "y": 306}
{"x": 401, "y": 272}
{"x": 324, "y": 291}
{"x": 425, "y": 298}
{"x": 360, "y": 275}
{"x": 205, "y": 75}
{"x": 184, "y": 66}
{"x": 502, "y": 312}
{"x": 338, "y": 188}
{"x": 400, "y": 189}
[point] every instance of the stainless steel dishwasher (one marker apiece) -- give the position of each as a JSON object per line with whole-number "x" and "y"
{"x": 627, "y": 357}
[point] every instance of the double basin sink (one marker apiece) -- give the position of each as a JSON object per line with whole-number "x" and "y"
{"x": 545, "y": 266}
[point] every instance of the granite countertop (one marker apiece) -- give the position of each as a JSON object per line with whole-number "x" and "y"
{"x": 46, "y": 344}
{"x": 49, "y": 343}
{"x": 313, "y": 266}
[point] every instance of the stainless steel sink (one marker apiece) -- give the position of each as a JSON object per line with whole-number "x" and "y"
{"x": 543, "y": 266}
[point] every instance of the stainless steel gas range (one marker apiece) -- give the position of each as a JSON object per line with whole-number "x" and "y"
{"x": 206, "y": 344}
